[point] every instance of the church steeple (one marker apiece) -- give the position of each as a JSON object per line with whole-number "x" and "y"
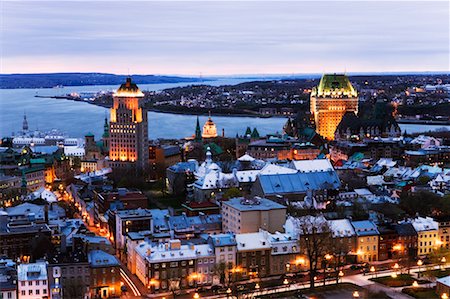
{"x": 198, "y": 132}
{"x": 106, "y": 128}
{"x": 25, "y": 123}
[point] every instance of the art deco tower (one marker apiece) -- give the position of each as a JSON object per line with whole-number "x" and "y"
{"x": 330, "y": 100}
{"x": 128, "y": 128}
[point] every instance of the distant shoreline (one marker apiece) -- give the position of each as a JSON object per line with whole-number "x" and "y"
{"x": 191, "y": 112}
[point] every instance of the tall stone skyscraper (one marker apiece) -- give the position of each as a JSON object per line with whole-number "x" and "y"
{"x": 330, "y": 100}
{"x": 128, "y": 129}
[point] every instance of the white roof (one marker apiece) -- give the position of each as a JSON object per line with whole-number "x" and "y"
{"x": 422, "y": 224}
{"x": 26, "y": 209}
{"x": 275, "y": 169}
{"x": 159, "y": 253}
{"x": 363, "y": 192}
{"x": 74, "y": 151}
{"x": 33, "y": 271}
{"x": 252, "y": 241}
{"x": 375, "y": 180}
{"x": 246, "y": 176}
{"x": 341, "y": 228}
{"x": 312, "y": 165}
{"x": 388, "y": 162}
{"x": 45, "y": 194}
{"x": 246, "y": 158}
{"x": 444, "y": 280}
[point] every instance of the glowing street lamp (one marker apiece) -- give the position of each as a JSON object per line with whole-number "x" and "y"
{"x": 443, "y": 261}
{"x": 196, "y": 296}
{"x": 372, "y": 270}
{"x": 444, "y": 296}
{"x": 355, "y": 294}
{"x": 419, "y": 263}
{"x": 341, "y": 274}
{"x": 415, "y": 284}
{"x": 285, "y": 281}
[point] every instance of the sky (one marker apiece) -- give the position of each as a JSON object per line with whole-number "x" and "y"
{"x": 224, "y": 38}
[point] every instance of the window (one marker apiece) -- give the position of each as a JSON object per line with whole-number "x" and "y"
{"x": 22, "y": 283}
{"x": 30, "y": 292}
{"x": 23, "y": 293}
{"x": 44, "y": 282}
{"x": 30, "y": 283}
{"x": 37, "y": 282}
{"x": 37, "y": 292}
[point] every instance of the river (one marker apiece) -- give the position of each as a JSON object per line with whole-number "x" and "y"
{"x": 79, "y": 118}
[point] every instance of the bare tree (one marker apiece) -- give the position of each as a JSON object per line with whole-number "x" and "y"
{"x": 315, "y": 240}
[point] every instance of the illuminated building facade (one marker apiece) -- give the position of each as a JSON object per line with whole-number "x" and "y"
{"x": 128, "y": 128}
{"x": 330, "y": 100}
{"x": 209, "y": 129}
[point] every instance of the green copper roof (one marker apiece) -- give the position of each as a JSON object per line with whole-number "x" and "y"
{"x": 89, "y": 134}
{"x": 335, "y": 83}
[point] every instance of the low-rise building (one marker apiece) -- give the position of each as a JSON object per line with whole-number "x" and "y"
{"x": 224, "y": 246}
{"x": 407, "y": 240}
{"x": 253, "y": 255}
{"x": 104, "y": 274}
{"x": 367, "y": 237}
{"x": 427, "y": 235}
{"x": 242, "y": 215}
{"x": 32, "y": 281}
{"x": 8, "y": 282}
{"x": 444, "y": 232}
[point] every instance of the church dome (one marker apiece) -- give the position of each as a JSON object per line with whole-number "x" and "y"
{"x": 209, "y": 129}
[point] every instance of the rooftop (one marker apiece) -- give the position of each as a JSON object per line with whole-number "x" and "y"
{"x": 254, "y": 204}
{"x": 32, "y": 271}
{"x": 99, "y": 258}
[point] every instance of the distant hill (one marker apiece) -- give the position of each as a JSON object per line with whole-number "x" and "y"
{"x": 78, "y": 79}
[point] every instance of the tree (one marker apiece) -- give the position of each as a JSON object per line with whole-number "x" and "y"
{"x": 220, "y": 271}
{"x": 315, "y": 234}
{"x": 231, "y": 193}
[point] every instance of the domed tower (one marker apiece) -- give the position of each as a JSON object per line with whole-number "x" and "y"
{"x": 128, "y": 128}
{"x": 209, "y": 129}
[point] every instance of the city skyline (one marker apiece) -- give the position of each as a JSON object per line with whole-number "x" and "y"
{"x": 218, "y": 38}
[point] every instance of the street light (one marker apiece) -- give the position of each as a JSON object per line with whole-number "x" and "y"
{"x": 415, "y": 284}
{"x": 228, "y": 292}
{"x": 444, "y": 296}
{"x": 372, "y": 269}
{"x": 443, "y": 261}
{"x": 341, "y": 274}
{"x": 355, "y": 294}
{"x": 196, "y": 296}
{"x": 419, "y": 263}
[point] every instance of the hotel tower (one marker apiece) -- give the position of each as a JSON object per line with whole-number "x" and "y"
{"x": 128, "y": 129}
{"x": 330, "y": 100}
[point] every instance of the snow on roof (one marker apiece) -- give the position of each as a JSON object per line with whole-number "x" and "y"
{"x": 247, "y": 176}
{"x": 99, "y": 258}
{"x": 252, "y": 241}
{"x": 341, "y": 228}
{"x": 363, "y": 192}
{"x": 74, "y": 151}
{"x": 32, "y": 271}
{"x": 162, "y": 252}
{"x": 26, "y": 209}
{"x": 312, "y": 165}
{"x": 444, "y": 280}
{"x": 388, "y": 162}
{"x": 275, "y": 169}
{"x": 246, "y": 158}
{"x": 365, "y": 228}
{"x": 424, "y": 224}
{"x": 375, "y": 180}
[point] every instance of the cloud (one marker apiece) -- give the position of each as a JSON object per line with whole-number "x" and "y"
{"x": 224, "y": 37}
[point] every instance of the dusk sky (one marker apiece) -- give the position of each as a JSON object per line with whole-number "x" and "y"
{"x": 222, "y": 38}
